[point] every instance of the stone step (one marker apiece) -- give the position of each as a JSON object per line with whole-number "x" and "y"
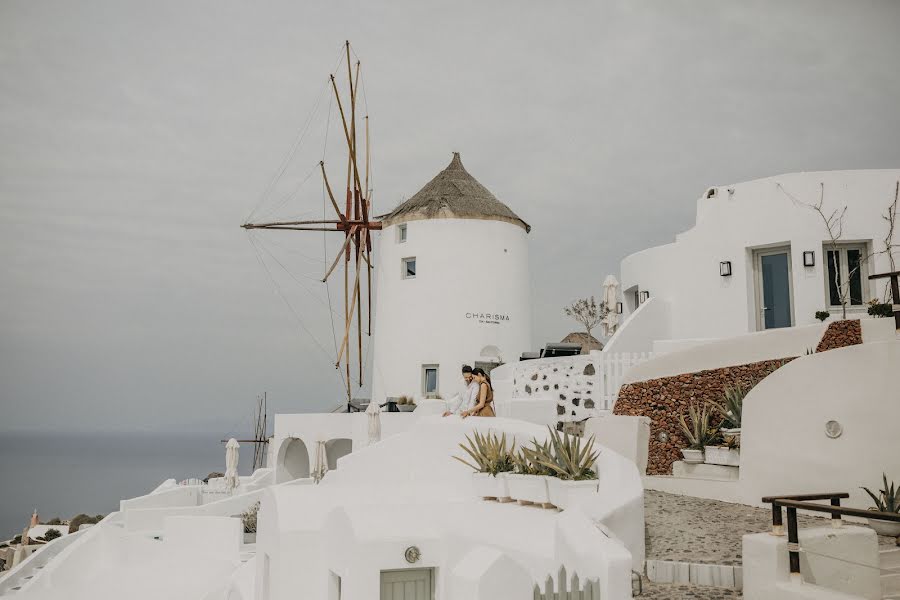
{"x": 698, "y": 574}
{"x": 704, "y": 471}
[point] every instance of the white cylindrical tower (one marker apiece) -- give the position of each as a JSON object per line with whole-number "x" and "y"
{"x": 453, "y": 287}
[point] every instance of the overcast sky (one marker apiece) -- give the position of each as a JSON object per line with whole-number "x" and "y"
{"x": 136, "y": 137}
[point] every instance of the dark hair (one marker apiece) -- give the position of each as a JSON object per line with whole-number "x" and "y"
{"x": 480, "y": 371}
{"x": 466, "y": 369}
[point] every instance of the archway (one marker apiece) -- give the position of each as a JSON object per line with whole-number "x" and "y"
{"x": 336, "y": 448}
{"x": 293, "y": 461}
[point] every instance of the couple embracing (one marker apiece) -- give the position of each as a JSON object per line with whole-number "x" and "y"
{"x": 478, "y": 398}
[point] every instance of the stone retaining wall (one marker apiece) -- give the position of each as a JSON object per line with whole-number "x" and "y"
{"x": 664, "y": 399}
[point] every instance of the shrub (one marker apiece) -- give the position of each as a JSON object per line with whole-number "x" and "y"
{"x": 83, "y": 519}
{"x": 878, "y": 309}
{"x": 822, "y": 314}
{"x": 52, "y": 534}
{"x": 53, "y": 521}
{"x": 17, "y": 539}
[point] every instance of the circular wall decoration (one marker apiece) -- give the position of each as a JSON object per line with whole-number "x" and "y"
{"x": 412, "y": 555}
{"x": 833, "y": 429}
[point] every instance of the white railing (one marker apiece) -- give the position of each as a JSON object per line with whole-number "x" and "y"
{"x": 611, "y": 369}
{"x": 572, "y": 589}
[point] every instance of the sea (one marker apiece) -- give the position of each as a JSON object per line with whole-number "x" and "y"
{"x": 64, "y": 474}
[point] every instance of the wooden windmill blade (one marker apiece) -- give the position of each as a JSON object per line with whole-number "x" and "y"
{"x": 352, "y": 220}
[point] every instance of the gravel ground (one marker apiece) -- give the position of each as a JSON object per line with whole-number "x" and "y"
{"x": 689, "y": 529}
{"x": 659, "y": 591}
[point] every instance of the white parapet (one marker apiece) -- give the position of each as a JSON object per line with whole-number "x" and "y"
{"x": 835, "y": 564}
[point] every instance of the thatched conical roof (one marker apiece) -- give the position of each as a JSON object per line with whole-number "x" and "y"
{"x": 453, "y": 194}
{"x": 587, "y": 342}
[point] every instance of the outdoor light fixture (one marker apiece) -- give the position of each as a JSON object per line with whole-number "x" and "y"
{"x": 618, "y": 308}
{"x": 809, "y": 258}
{"x": 725, "y": 268}
{"x": 645, "y": 296}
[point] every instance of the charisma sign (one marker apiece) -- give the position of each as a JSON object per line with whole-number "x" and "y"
{"x": 488, "y": 318}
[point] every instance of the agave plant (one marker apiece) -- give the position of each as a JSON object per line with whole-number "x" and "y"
{"x": 699, "y": 433}
{"x": 568, "y": 458}
{"x": 490, "y": 453}
{"x": 528, "y": 460}
{"x": 732, "y": 405}
{"x": 888, "y": 499}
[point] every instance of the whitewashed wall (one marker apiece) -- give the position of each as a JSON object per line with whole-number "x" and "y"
{"x": 685, "y": 274}
{"x": 465, "y": 268}
{"x": 784, "y": 448}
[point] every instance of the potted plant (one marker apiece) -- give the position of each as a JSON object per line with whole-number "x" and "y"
{"x": 731, "y": 410}
{"x": 406, "y": 403}
{"x": 528, "y": 484}
{"x": 886, "y": 500}
{"x": 249, "y": 519}
{"x": 492, "y": 459}
{"x": 880, "y": 309}
{"x": 572, "y": 466}
{"x": 698, "y": 433}
{"x": 822, "y": 315}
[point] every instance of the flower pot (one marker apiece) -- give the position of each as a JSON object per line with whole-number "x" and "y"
{"x": 249, "y": 538}
{"x": 732, "y": 436}
{"x": 723, "y": 455}
{"x": 490, "y": 487}
{"x": 528, "y": 489}
{"x": 888, "y": 528}
{"x": 406, "y": 407}
{"x": 564, "y": 494}
{"x": 692, "y": 456}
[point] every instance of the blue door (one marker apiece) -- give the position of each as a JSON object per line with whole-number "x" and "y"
{"x": 775, "y": 277}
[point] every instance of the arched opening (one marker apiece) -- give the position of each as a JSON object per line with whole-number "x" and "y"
{"x": 336, "y": 448}
{"x": 293, "y": 461}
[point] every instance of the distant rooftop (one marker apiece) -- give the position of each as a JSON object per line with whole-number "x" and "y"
{"x": 453, "y": 194}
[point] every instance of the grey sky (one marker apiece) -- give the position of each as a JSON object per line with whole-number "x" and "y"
{"x": 135, "y": 137}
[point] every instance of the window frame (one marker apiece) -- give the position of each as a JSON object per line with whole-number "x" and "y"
{"x": 402, "y": 233}
{"x": 844, "y": 270}
{"x": 404, "y": 270}
{"x": 437, "y": 379}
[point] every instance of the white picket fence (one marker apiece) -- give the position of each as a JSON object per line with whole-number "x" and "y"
{"x": 611, "y": 369}
{"x": 568, "y": 589}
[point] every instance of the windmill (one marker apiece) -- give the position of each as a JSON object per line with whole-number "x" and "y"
{"x": 353, "y": 220}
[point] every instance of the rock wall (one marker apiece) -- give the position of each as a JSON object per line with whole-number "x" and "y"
{"x": 664, "y": 399}
{"x": 572, "y": 381}
{"x": 840, "y": 334}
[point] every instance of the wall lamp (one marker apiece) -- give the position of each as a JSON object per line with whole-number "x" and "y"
{"x": 725, "y": 268}
{"x": 644, "y": 296}
{"x": 618, "y": 308}
{"x": 809, "y": 258}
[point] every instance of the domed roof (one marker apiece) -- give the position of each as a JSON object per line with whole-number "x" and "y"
{"x": 453, "y": 194}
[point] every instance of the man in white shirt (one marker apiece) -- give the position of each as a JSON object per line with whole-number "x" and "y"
{"x": 469, "y": 398}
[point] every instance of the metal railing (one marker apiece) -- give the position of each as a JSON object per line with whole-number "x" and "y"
{"x": 805, "y": 502}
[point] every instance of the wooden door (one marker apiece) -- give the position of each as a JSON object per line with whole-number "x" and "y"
{"x": 407, "y": 584}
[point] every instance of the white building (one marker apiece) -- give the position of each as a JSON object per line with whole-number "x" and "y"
{"x": 758, "y": 258}
{"x": 453, "y": 284}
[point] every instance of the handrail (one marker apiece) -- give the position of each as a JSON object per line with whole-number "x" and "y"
{"x": 802, "y": 502}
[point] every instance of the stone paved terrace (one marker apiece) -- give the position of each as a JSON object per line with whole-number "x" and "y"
{"x": 686, "y": 529}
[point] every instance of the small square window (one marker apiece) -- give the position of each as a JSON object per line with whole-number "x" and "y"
{"x": 401, "y": 233}
{"x": 429, "y": 380}
{"x": 409, "y": 268}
